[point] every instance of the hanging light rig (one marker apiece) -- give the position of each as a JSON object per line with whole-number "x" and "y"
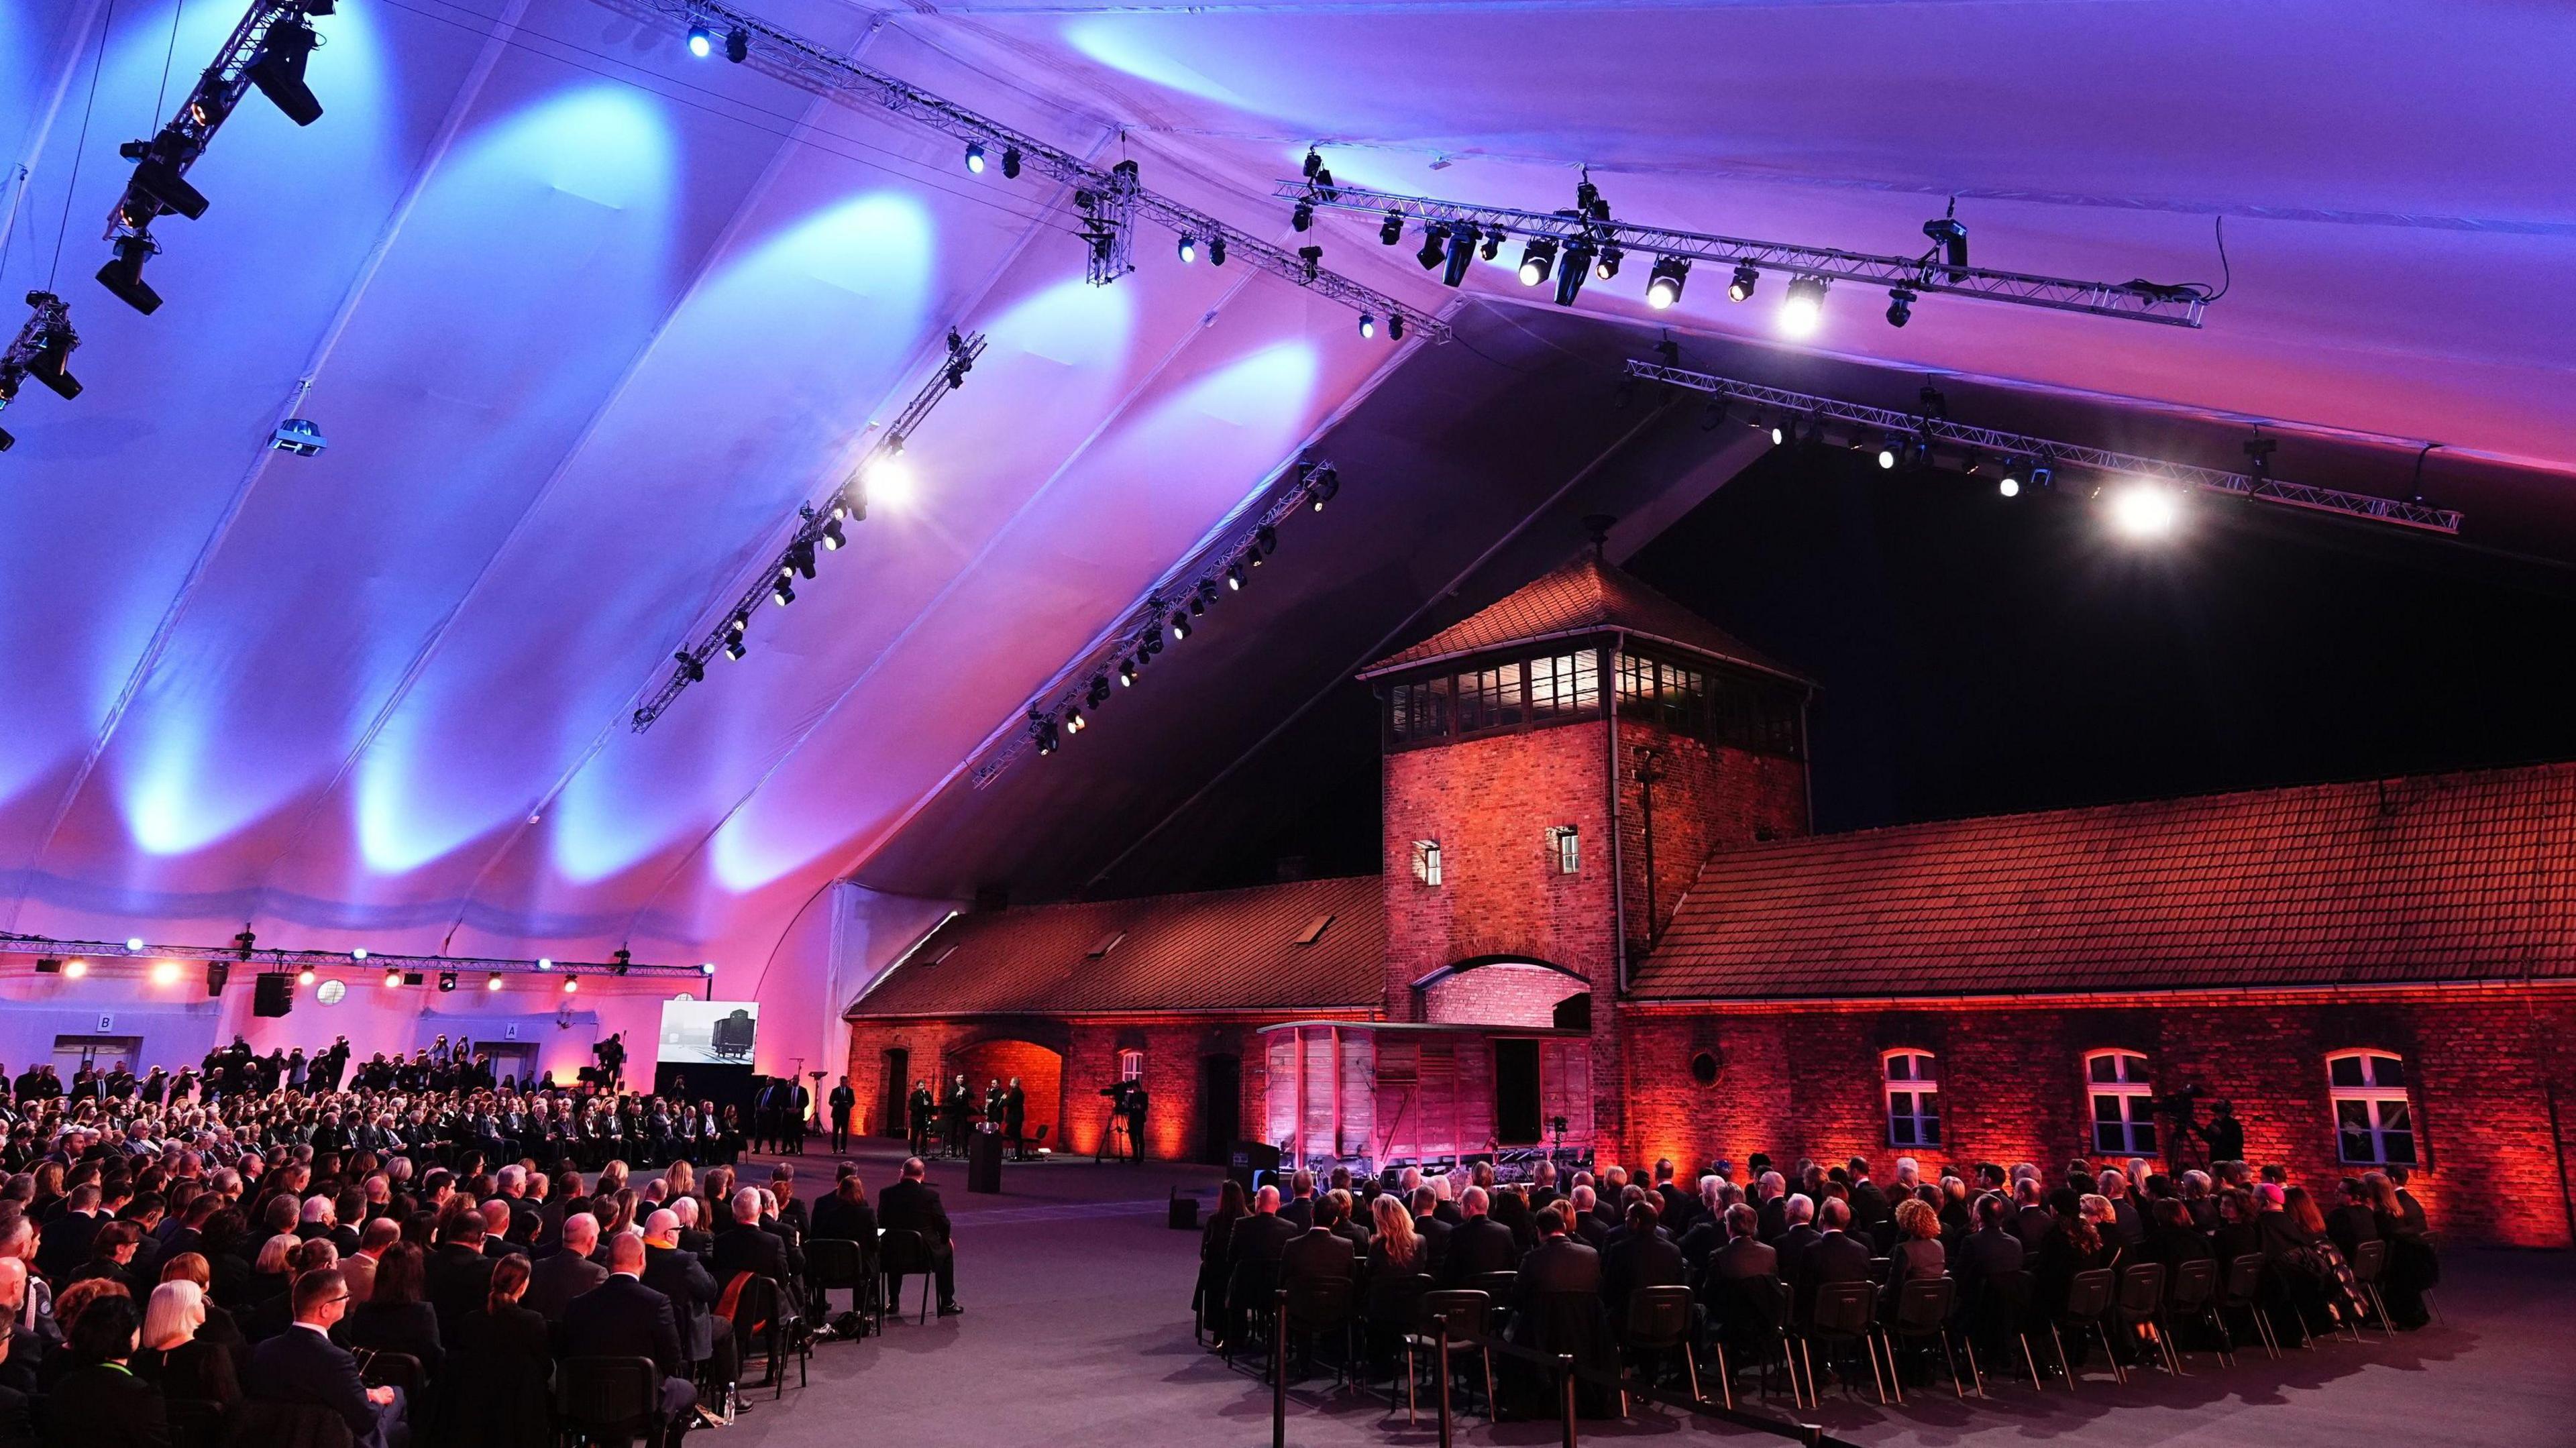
{"x": 1171, "y": 614}
{"x": 1592, "y": 245}
{"x": 268, "y": 49}
{"x": 42, "y": 350}
{"x": 822, "y": 526}
{"x": 1111, "y": 202}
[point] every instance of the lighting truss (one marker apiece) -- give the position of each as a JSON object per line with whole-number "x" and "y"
{"x": 96, "y": 951}
{"x": 159, "y": 185}
{"x": 1589, "y": 227}
{"x": 818, "y": 526}
{"x": 41, "y": 350}
{"x": 1202, "y": 577}
{"x": 1931, "y": 428}
{"x": 1115, "y": 202}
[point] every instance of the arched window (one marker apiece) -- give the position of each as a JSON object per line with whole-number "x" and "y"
{"x": 2123, "y": 1124}
{"x": 2374, "y": 1125}
{"x": 1913, "y": 1098}
{"x": 1131, "y": 1065}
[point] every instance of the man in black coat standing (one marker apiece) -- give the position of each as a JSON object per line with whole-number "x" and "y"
{"x": 302, "y": 1365}
{"x": 622, "y": 1317}
{"x": 842, "y": 1102}
{"x": 912, "y": 1205}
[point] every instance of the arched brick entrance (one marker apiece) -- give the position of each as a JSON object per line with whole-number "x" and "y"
{"x": 1498, "y": 991}
{"x": 1041, "y": 1073}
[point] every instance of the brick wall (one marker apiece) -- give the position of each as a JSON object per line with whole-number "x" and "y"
{"x": 1708, "y": 799}
{"x": 1500, "y": 994}
{"x": 1804, "y": 1081}
{"x": 1041, "y": 1076}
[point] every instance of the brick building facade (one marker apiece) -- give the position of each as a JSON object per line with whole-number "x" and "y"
{"x": 1602, "y": 923}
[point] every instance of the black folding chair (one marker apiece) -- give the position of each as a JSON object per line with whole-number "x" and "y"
{"x": 1753, "y": 1312}
{"x": 2245, "y": 1291}
{"x": 1923, "y": 1315}
{"x": 1468, "y": 1315}
{"x": 1843, "y": 1316}
{"x": 197, "y": 1423}
{"x": 764, "y": 1303}
{"x": 2192, "y": 1298}
{"x": 2088, "y": 1300}
{"x": 902, "y": 1254}
{"x": 2368, "y": 1261}
{"x": 2001, "y": 1309}
{"x": 1318, "y": 1307}
{"x": 832, "y": 1263}
{"x": 1659, "y": 1320}
{"x": 2139, "y": 1307}
{"x": 608, "y": 1400}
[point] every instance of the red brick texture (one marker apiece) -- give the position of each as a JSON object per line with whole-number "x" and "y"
{"x": 1804, "y": 1081}
{"x": 1500, "y": 994}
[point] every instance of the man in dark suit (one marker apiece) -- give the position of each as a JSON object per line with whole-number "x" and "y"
{"x": 622, "y": 1317}
{"x": 1319, "y": 1253}
{"x": 912, "y": 1205}
{"x": 1252, "y": 1253}
{"x": 1642, "y": 1257}
{"x": 458, "y": 1275}
{"x": 1990, "y": 1251}
{"x": 1835, "y": 1256}
{"x": 555, "y": 1281}
{"x": 1587, "y": 1224}
{"x": 2032, "y": 1220}
{"x": 1680, "y": 1208}
{"x": 1560, "y": 1263}
{"x": 841, "y": 1103}
{"x": 1869, "y": 1204}
{"x": 680, "y": 1276}
{"x": 1433, "y": 1231}
{"x": 745, "y": 1246}
{"x": 1298, "y": 1210}
{"x": 302, "y": 1365}
{"x": 64, "y": 1243}
{"x": 1794, "y": 1241}
{"x": 1771, "y": 1205}
{"x": 1480, "y": 1245}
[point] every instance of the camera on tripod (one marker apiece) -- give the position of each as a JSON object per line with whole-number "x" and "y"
{"x": 2177, "y": 1104}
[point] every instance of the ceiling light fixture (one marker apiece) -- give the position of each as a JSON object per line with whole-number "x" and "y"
{"x": 975, "y": 157}
{"x": 1538, "y": 258}
{"x": 1664, "y": 281}
{"x": 1803, "y": 310}
{"x": 1740, "y": 287}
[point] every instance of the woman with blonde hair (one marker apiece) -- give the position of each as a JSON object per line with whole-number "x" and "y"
{"x": 273, "y": 1270}
{"x": 1918, "y": 1252}
{"x": 1397, "y": 1261}
{"x": 177, "y": 1355}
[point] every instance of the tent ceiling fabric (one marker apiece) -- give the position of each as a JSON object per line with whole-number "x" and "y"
{"x": 585, "y": 318}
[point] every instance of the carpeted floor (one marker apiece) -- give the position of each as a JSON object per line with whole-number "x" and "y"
{"x": 1077, "y": 1334}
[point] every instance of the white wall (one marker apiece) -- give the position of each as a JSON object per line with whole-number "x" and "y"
{"x": 839, "y": 944}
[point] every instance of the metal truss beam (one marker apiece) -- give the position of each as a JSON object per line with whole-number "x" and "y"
{"x": 2137, "y": 301}
{"x": 1234, "y": 554}
{"x": 96, "y": 951}
{"x": 1108, "y": 200}
{"x": 819, "y": 529}
{"x": 1933, "y": 429}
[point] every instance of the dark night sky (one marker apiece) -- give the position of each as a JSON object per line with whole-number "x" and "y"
{"x": 1979, "y": 655}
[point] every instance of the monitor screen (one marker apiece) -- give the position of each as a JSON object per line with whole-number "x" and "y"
{"x": 708, "y": 1032}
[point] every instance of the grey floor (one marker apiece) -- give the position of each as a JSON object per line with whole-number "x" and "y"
{"x": 1077, "y": 1333}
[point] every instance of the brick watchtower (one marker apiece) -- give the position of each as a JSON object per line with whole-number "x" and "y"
{"x": 1557, "y": 768}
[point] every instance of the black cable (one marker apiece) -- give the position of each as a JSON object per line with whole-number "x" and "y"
{"x": 106, "y": 24}
{"x": 2226, "y": 274}
{"x": 161, "y": 98}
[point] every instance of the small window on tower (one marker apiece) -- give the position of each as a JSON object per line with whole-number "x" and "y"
{"x": 1426, "y": 861}
{"x": 1565, "y": 847}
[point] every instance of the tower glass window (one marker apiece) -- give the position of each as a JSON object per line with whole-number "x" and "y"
{"x": 1565, "y": 849}
{"x": 2374, "y": 1121}
{"x": 1426, "y": 861}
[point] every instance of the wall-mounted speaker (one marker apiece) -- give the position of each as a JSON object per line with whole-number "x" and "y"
{"x": 276, "y": 994}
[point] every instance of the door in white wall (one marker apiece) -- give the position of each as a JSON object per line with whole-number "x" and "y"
{"x": 73, "y": 1052}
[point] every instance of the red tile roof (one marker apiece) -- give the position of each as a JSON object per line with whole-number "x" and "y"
{"x": 2435, "y": 878}
{"x": 1587, "y": 595}
{"x": 1222, "y": 950}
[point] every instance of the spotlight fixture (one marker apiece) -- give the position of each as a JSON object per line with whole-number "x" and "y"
{"x": 1074, "y": 723}
{"x": 42, "y": 350}
{"x": 1368, "y": 325}
{"x": 1462, "y": 254}
{"x": 737, "y": 45}
{"x": 447, "y": 980}
{"x": 1493, "y": 246}
{"x": 975, "y": 157}
{"x": 1740, "y": 288}
{"x": 123, "y": 273}
{"x": 1310, "y": 263}
{"x": 1265, "y": 539}
{"x": 1234, "y": 577}
{"x": 1205, "y": 593}
{"x": 624, "y": 958}
{"x": 1395, "y": 327}
{"x": 1216, "y": 250}
{"x": 2010, "y": 487}
{"x": 1664, "y": 281}
{"x": 1570, "y": 277}
{"x": 492, "y": 981}
{"x": 1804, "y": 308}
{"x": 735, "y": 648}
{"x": 572, "y": 985}
{"x": 1127, "y": 673}
{"x": 1608, "y": 267}
{"x": 1435, "y": 248}
{"x": 702, "y": 41}
{"x": 1150, "y": 646}
{"x": 1887, "y": 450}
{"x": 1950, "y": 235}
{"x": 133, "y": 943}
{"x": 545, "y": 963}
{"x": 75, "y": 968}
{"x": 1900, "y": 307}
{"x": 2144, "y": 511}
{"x": 706, "y": 967}
{"x": 1180, "y": 625}
{"x": 1323, "y": 487}
{"x": 393, "y": 978}
{"x": 305, "y": 976}
{"x": 358, "y": 954}
{"x": 1779, "y": 433}
{"x": 1302, "y": 215}
{"x": 1538, "y": 258}
{"x": 1188, "y": 248}
{"x": 1098, "y": 694}
{"x": 277, "y": 68}
{"x": 1010, "y": 163}
{"x": 834, "y": 537}
{"x": 1043, "y": 730}
{"x": 165, "y": 972}
{"x": 1391, "y": 230}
